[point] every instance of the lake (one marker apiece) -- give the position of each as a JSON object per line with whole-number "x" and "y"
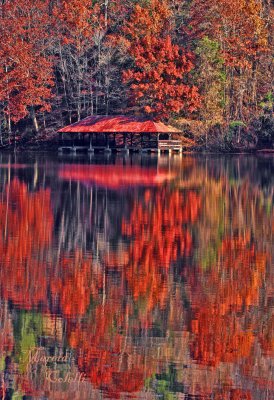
{"x": 136, "y": 277}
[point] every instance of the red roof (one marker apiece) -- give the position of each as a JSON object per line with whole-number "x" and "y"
{"x": 118, "y": 123}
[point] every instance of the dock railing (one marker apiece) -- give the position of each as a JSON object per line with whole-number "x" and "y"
{"x": 169, "y": 144}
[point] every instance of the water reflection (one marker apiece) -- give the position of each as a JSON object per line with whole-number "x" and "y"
{"x": 136, "y": 278}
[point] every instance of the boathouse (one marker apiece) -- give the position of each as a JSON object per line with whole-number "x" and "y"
{"x": 119, "y": 133}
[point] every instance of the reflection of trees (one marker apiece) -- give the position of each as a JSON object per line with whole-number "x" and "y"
{"x": 32, "y": 275}
{"x": 158, "y": 236}
{"x": 73, "y": 284}
{"x": 25, "y": 234}
{"x": 136, "y": 285}
{"x": 87, "y": 218}
{"x": 134, "y": 282}
{"x": 222, "y": 322}
{"x": 6, "y": 331}
{"x": 104, "y": 354}
{"x": 232, "y": 208}
{"x": 233, "y": 394}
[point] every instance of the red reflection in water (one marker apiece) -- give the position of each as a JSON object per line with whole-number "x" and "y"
{"x": 104, "y": 355}
{"x": 221, "y": 333}
{"x": 26, "y": 223}
{"x": 114, "y": 176}
{"x": 108, "y": 307}
{"x": 157, "y": 238}
{"x": 74, "y": 283}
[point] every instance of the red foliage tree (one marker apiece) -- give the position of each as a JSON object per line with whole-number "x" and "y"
{"x": 157, "y": 77}
{"x": 25, "y": 68}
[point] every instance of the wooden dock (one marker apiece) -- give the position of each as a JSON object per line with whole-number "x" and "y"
{"x": 162, "y": 146}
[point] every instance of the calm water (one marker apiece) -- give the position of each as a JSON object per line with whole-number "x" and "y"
{"x": 136, "y": 277}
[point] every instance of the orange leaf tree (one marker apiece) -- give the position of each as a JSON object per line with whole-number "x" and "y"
{"x": 156, "y": 77}
{"x": 25, "y": 68}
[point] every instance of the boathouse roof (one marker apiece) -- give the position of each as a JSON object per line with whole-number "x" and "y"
{"x": 119, "y": 124}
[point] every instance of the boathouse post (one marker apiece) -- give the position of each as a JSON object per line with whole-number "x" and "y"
{"x": 107, "y": 148}
{"x": 126, "y": 149}
{"x": 90, "y": 149}
{"x": 73, "y": 145}
{"x": 158, "y": 138}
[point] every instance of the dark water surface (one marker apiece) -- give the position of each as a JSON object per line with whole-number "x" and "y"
{"x": 145, "y": 278}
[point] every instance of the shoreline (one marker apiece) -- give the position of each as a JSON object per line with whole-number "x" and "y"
{"x": 53, "y": 148}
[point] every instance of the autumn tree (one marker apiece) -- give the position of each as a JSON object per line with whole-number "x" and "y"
{"x": 156, "y": 75}
{"x": 242, "y": 33}
{"x": 211, "y": 80}
{"x": 25, "y": 68}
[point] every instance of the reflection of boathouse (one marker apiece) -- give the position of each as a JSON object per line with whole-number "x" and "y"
{"x": 119, "y": 133}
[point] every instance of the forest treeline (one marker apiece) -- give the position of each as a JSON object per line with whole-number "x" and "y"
{"x": 205, "y": 66}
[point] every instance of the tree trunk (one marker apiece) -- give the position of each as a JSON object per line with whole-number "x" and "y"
{"x": 106, "y": 13}
{"x": 34, "y": 120}
{"x": 9, "y": 127}
{"x": 1, "y": 136}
